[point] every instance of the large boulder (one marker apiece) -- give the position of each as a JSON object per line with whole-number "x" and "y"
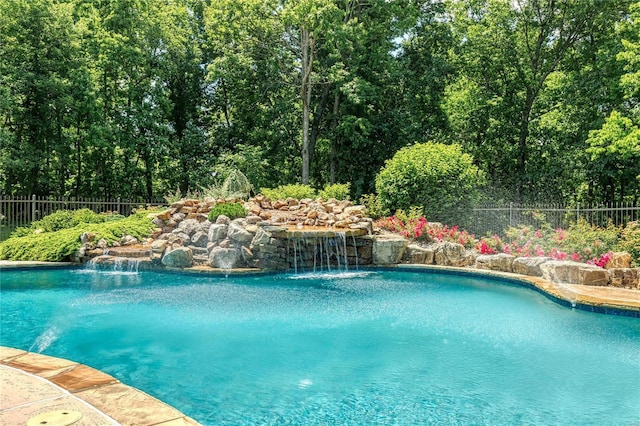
{"x": 619, "y": 260}
{"x": 87, "y": 237}
{"x": 495, "y": 262}
{"x": 529, "y": 265}
{"x": 165, "y": 215}
{"x": 223, "y": 220}
{"x": 574, "y": 273}
{"x": 158, "y": 222}
{"x": 218, "y": 232}
{"x": 388, "y": 249}
{"x": 451, "y": 254}
{"x": 204, "y": 227}
{"x": 358, "y": 211}
{"x": 260, "y": 239}
{"x": 224, "y": 258}
{"x": 189, "y": 226}
{"x": 200, "y": 239}
{"x": 239, "y": 234}
{"x": 180, "y": 257}
{"x": 179, "y": 237}
{"x": 158, "y": 246}
{"x": 418, "y": 255}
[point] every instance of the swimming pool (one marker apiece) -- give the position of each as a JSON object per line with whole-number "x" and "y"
{"x": 376, "y": 347}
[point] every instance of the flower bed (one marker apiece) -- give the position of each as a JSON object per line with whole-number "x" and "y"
{"x": 580, "y": 242}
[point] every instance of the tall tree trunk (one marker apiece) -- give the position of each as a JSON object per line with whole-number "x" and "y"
{"x": 306, "y": 45}
{"x": 78, "y": 158}
{"x": 522, "y": 138}
{"x": 334, "y": 140}
{"x": 318, "y": 116}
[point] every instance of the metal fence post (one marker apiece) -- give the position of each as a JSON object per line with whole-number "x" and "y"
{"x": 118, "y": 206}
{"x": 578, "y": 212}
{"x": 511, "y": 214}
{"x": 33, "y": 207}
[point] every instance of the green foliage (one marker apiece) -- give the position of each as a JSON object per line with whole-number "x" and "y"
{"x": 580, "y": 241}
{"x": 414, "y": 213}
{"x": 173, "y": 197}
{"x": 588, "y": 240}
{"x": 440, "y": 178}
{"x": 60, "y": 245}
{"x": 282, "y": 192}
{"x": 614, "y": 158}
{"x": 339, "y": 191}
{"x": 529, "y": 88}
{"x": 248, "y": 159}
{"x": 630, "y": 241}
{"x": 231, "y": 210}
{"x": 236, "y": 185}
{"x": 373, "y": 205}
{"x": 62, "y": 219}
{"x": 131, "y": 105}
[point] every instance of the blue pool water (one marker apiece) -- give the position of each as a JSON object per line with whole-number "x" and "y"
{"x": 379, "y": 347}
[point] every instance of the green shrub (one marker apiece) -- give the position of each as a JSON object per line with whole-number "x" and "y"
{"x": 588, "y": 240}
{"x": 61, "y": 219}
{"x": 630, "y": 241}
{"x": 61, "y": 244}
{"x": 414, "y": 213}
{"x": 236, "y": 185}
{"x": 373, "y": 205}
{"x": 440, "y": 178}
{"x": 231, "y": 210}
{"x": 282, "y": 192}
{"x": 339, "y": 191}
{"x": 581, "y": 241}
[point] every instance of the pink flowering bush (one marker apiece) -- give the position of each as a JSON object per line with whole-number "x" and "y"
{"x": 602, "y": 260}
{"x": 416, "y": 227}
{"x": 580, "y": 242}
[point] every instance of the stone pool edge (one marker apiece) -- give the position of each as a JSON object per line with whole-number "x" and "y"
{"x": 121, "y": 403}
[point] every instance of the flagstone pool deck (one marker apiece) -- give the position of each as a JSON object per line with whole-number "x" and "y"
{"x": 34, "y": 384}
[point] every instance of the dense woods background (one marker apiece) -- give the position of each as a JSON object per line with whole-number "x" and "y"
{"x": 136, "y": 98}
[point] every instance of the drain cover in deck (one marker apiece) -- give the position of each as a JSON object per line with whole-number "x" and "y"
{"x": 55, "y": 418}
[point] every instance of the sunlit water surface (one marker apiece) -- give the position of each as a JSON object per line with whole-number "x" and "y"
{"x": 352, "y": 349}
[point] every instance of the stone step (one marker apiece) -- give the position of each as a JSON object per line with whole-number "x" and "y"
{"x": 198, "y": 250}
{"x": 200, "y": 259}
{"x": 134, "y": 252}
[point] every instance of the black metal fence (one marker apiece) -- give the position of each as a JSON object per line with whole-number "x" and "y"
{"x": 20, "y": 211}
{"x": 494, "y": 219}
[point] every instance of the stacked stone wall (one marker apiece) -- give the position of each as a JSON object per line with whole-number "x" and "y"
{"x": 307, "y": 234}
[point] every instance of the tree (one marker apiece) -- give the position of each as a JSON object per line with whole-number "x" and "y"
{"x": 614, "y": 152}
{"x": 439, "y": 178}
{"x": 252, "y": 83}
{"x": 508, "y": 53}
{"x": 614, "y": 149}
{"x": 42, "y": 77}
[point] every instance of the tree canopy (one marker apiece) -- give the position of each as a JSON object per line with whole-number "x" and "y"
{"x": 136, "y": 98}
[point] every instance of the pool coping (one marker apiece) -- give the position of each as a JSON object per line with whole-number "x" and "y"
{"x": 34, "y": 384}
